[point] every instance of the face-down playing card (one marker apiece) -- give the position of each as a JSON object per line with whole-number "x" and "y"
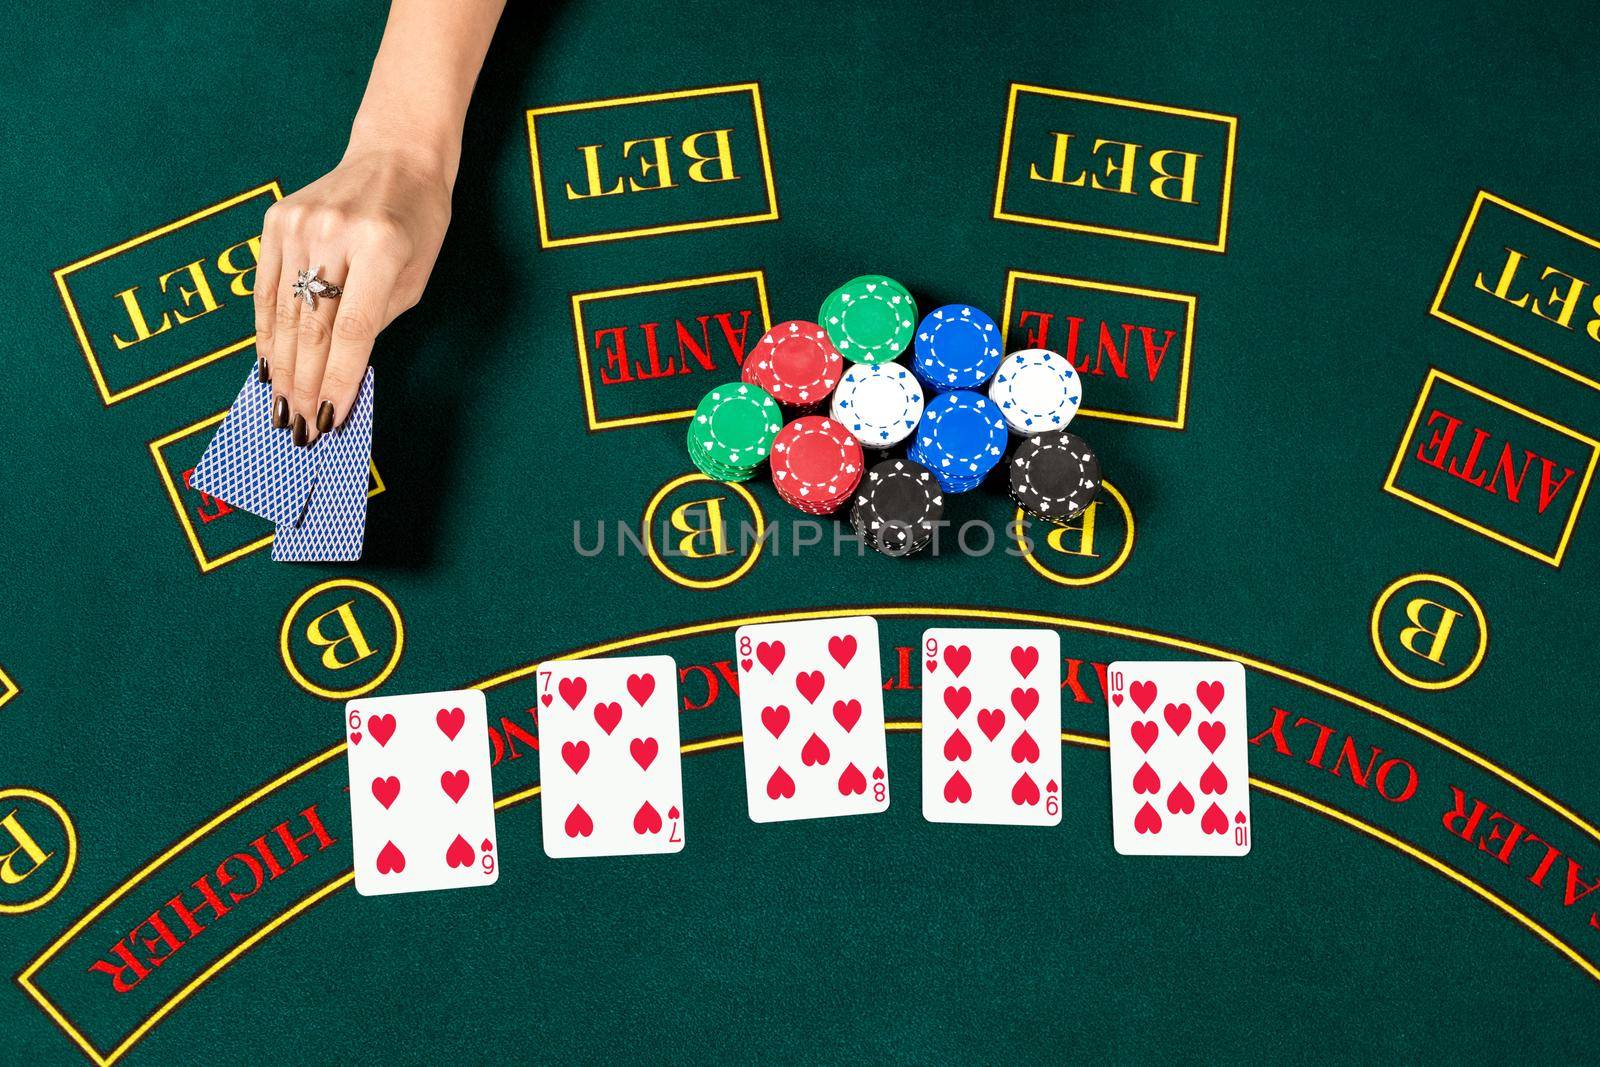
{"x": 610, "y": 768}
{"x": 255, "y": 467}
{"x": 421, "y": 796}
{"x": 1180, "y": 765}
{"x": 335, "y": 520}
{"x": 991, "y": 726}
{"x": 811, "y": 706}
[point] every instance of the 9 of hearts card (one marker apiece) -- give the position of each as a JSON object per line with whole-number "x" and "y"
{"x": 1180, "y": 765}
{"x": 991, "y": 726}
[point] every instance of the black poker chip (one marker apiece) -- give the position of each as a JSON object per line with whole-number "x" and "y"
{"x": 897, "y": 507}
{"x": 1055, "y": 476}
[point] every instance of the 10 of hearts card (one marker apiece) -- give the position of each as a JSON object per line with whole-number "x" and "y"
{"x": 1180, "y": 764}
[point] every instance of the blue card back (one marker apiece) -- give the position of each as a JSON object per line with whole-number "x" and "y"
{"x": 254, "y": 467}
{"x": 336, "y": 517}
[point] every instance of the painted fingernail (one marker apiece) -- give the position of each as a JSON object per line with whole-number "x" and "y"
{"x": 302, "y": 435}
{"x": 261, "y": 370}
{"x": 325, "y": 416}
{"x": 280, "y": 412}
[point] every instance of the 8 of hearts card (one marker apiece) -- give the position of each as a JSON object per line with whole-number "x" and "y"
{"x": 811, "y": 703}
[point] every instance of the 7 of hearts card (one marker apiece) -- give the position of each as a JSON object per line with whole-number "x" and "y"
{"x": 1180, "y": 763}
{"x": 610, "y": 770}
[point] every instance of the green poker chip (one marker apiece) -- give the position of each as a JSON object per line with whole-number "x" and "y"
{"x": 732, "y": 430}
{"x": 711, "y": 468}
{"x": 870, "y": 319}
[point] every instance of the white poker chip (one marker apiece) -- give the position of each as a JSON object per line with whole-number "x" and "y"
{"x": 1037, "y": 391}
{"x": 879, "y": 403}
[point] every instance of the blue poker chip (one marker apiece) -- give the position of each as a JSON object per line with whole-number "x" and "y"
{"x": 956, "y": 347}
{"x": 961, "y": 438}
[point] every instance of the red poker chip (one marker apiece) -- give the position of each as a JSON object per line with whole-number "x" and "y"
{"x": 795, "y": 362}
{"x": 816, "y": 464}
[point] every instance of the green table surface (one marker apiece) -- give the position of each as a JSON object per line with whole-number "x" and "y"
{"x": 153, "y": 704}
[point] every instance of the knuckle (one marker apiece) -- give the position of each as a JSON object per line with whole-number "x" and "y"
{"x": 286, "y": 315}
{"x": 353, "y": 326}
{"x": 314, "y": 330}
{"x": 380, "y": 230}
{"x": 288, "y": 214}
{"x": 327, "y": 222}
{"x": 337, "y": 382}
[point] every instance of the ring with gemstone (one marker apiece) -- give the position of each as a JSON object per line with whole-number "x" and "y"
{"x": 308, "y": 286}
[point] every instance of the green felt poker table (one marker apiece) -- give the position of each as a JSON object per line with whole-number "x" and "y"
{"x": 1329, "y": 278}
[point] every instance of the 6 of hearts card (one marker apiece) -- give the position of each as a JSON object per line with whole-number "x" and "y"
{"x": 421, "y": 798}
{"x": 1180, "y": 764}
{"x": 811, "y": 704}
{"x": 610, "y": 770}
{"x": 991, "y": 726}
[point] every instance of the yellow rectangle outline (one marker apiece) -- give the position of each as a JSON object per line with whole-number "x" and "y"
{"x": 1389, "y": 486}
{"x": 546, "y": 241}
{"x": 1187, "y": 299}
{"x": 1438, "y": 312}
{"x": 106, "y": 395}
{"x": 206, "y": 563}
{"x": 1230, "y": 121}
{"x": 578, "y": 300}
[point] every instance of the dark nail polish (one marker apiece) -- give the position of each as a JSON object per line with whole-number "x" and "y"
{"x": 325, "y": 416}
{"x": 280, "y": 413}
{"x": 261, "y": 370}
{"x": 302, "y": 435}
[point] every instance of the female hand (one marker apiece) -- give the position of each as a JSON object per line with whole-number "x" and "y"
{"x": 372, "y": 225}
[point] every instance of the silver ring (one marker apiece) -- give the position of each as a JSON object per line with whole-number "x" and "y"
{"x": 308, "y": 286}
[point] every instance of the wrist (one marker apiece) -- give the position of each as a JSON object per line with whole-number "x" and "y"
{"x": 417, "y": 146}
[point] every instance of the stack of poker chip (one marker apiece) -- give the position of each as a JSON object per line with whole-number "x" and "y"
{"x": 897, "y": 507}
{"x": 960, "y": 439}
{"x": 957, "y": 347}
{"x": 870, "y": 319}
{"x": 796, "y": 363}
{"x": 1054, "y": 476}
{"x": 732, "y": 431}
{"x": 816, "y": 464}
{"x": 880, "y": 403}
{"x": 1038, "y": 391}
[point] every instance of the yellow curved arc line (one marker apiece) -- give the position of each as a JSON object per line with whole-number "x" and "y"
{"x": 24, "y": 978}
{"x": 734, "y": 740}
{"x": 1112, "y": 629}
{"x": 1437, "y": 865}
